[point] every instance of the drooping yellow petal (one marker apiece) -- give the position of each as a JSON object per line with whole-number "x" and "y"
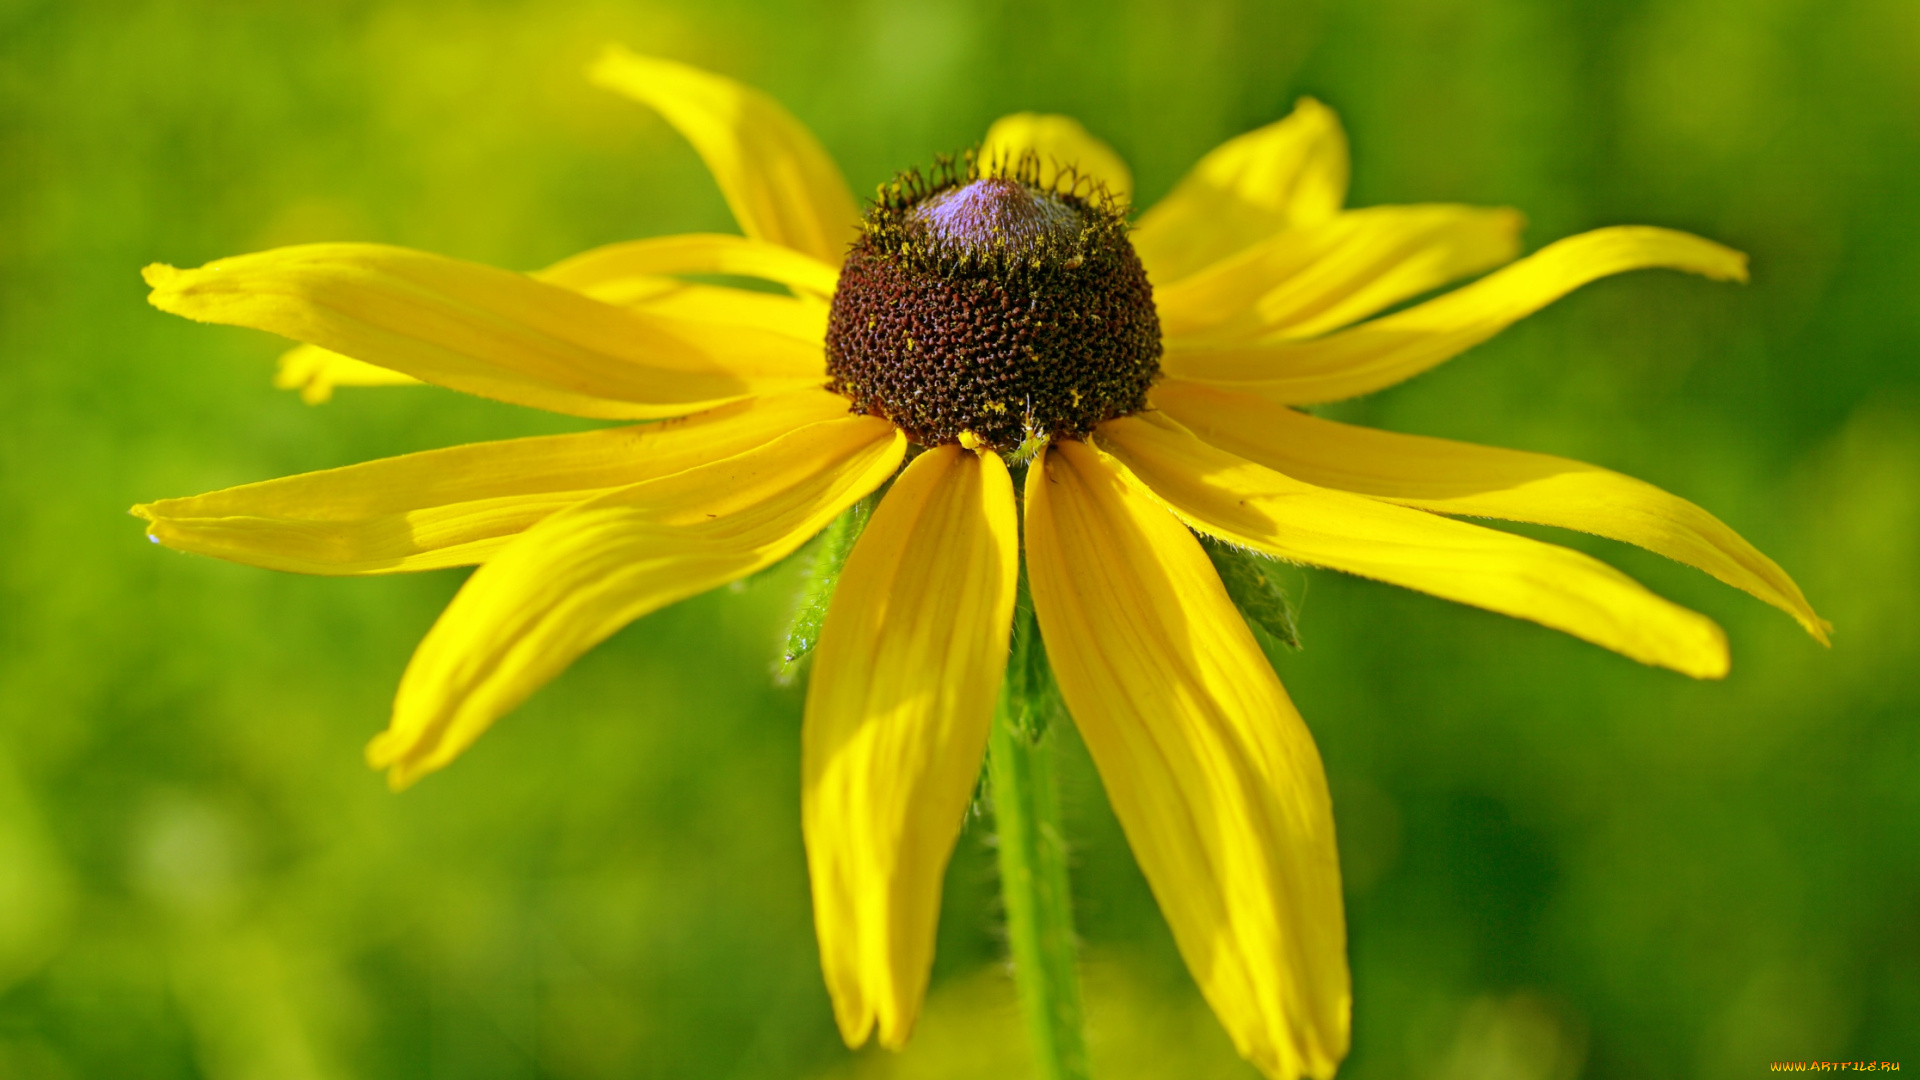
{"x": 1388, "y": 350}
{"x": 486, "y": 331}
{"x": 315, "y": 371}
{"x": 456, "y": 507}
{"x": 1251, "y": 505}
{"x": 695, "y": 253}
{"x": 1306, "y": 281}
{"x": 778, "y": 180}
{"x": 904, "y": 681}
{"x": 567, "y": 583}
{"x": 1062, "y": 145}
{"x": 1482, "y": 481}
{"x": 1289, "y": 174}
{"x": 1208, "y": 767}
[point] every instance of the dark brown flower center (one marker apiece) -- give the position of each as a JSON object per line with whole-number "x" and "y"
{"x": 989, "y": 305}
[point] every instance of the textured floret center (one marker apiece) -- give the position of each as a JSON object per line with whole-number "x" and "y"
{"x": 991, "y": 308}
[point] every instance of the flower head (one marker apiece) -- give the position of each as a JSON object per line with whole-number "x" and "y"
{"x": 1071, "y": 389}
{"x": 981, "y": 302}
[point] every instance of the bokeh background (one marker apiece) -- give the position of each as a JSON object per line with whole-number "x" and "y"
{"x": 1558, "y": 863}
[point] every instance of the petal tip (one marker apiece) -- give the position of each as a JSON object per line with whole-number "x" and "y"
{"x": 1714, "y": 660}
{"x": 383, "y": 750}
{"x": 894, "y": 1036}
{"x": 166, "y": 282}
{"x": 855, "y": 1022}
{"x": 1739, "y": 271}
{"x": 1308, "y": 105}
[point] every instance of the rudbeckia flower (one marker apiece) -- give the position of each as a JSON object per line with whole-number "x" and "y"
{"x": 1028, "y": 372}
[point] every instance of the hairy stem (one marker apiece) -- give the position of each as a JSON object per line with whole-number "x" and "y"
{"x": 1033, "y": 863}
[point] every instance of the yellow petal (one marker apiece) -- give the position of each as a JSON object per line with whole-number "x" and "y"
{"x": 486, "y": 331}
{"x": 902, "y": 694}
{"x": 1208, "y": 767}
{"x": 800, "y": 319}
{"x": 1309, "y": 280}
{"x": 1289, "y": 174}
{"x": 633, "y": 275}
{"x": 315, "y": 372}
{"x": 1388, "y": 350}
{"x": 778, "y": 180}
{"x": 1248, "y": 504}
{"x": 456, "y": 507}
{"x": 567, "y": 583}
{"x": 637, "y": 275}
{"x": 694, "y": 253}
{"x": 1482, "y": 481}
{"x": 1062, "y": 145}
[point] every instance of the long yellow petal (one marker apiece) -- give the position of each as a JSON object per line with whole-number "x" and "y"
{"x": 1251, "y": 505}
{"x": 1482, "y": 481}
{"x": 695, "y": 253}
{"x": 1307, "y": 281}
{"x": 567, "y": 583}
{"x": 486, "y": 331}
{"x": 1289, "y": 174}
{"x": 458, "y": 506}
{"x": 1208, "y": 767}
{"x": 778, "y": 180}
{"x": 636, "y": 276}
{"x": 315, "y": 372}
{"x": 904, "y": 681}
{"x": 1388, "y": 350}
{"x": 1062, "y": 145}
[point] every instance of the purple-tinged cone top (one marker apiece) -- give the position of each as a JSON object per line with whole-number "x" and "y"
{"x": 994, "y": 210}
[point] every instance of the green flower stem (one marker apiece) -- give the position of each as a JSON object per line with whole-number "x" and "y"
{"x": 1033, "y": 862}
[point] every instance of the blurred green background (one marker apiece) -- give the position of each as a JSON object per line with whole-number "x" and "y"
{"x": 1558, "y": 863}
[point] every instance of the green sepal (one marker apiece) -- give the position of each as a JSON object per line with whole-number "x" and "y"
{"x": 830, "y": 551}
{"x": 1253, "y": 584}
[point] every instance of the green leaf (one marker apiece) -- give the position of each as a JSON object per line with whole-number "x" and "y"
{"x": 1253, "y": 583}
{"x": 830, "y": 551}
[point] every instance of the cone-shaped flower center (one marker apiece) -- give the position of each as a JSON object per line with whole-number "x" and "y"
{"x": 994, "y": 307}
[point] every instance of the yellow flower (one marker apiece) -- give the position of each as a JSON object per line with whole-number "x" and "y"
{"x": 1264, "y": 290}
